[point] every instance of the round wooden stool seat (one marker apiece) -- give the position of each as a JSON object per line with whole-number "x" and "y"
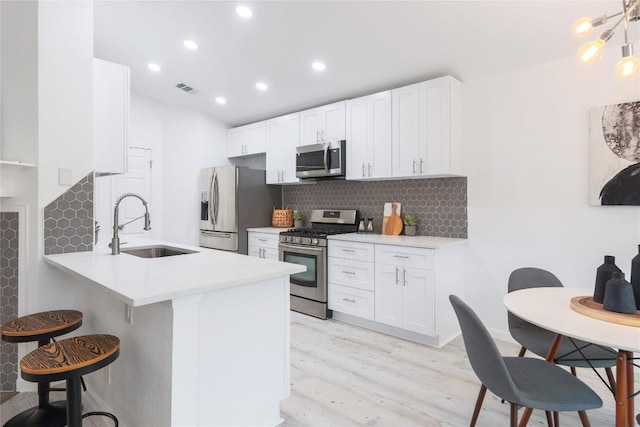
{"x": 41, "y": 326}
{"x": 67, "y": 360}
{"x": 70, "y": 357}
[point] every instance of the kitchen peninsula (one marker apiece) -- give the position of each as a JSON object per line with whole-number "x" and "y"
{"x": 204, "y": 335}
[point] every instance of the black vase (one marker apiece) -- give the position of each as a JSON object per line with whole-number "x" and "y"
{"x": 618, "y": 296}
{"x": 635, "y": 278}
{"x": 603, "y": 274}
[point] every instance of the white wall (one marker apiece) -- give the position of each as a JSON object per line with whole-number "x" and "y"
{"x": 190, "y": 141}
{"x": 526, "y": 151}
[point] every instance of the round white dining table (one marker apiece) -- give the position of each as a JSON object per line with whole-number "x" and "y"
{"x": 550, "y": 308}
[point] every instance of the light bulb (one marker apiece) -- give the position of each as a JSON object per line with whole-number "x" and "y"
{"x": 628, "y": 66}
{"x": 592, "y": 51}
{"x": 582, "y": 27}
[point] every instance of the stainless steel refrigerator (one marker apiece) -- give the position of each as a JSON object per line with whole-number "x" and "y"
{"x": 232, "y": 199}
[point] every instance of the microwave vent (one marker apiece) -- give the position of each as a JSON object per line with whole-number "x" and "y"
{"x": 186, "y": 88}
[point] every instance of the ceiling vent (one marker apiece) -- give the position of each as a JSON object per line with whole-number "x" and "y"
{"x": 186, "y": 88}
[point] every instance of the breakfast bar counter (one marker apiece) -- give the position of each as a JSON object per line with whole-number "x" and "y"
{"x": 204, "y": 334}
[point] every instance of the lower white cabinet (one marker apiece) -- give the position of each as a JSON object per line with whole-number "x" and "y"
{"x": 263, "y": 245}
{"x": 405, "y": 289}
{"x": 350, "y": 272}
{"x": 396, "y": 289}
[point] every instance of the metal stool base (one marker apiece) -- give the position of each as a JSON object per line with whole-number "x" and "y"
{"x": 52, "y": 415}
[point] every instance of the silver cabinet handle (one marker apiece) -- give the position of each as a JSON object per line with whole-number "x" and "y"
{"x": 369, "y": 168}
{"x": 363, "y": 175}
{"x": 401, "y": 256}
{"x": 348, "y": 300}
{"x": 262, "y": 240}
{"x": 348, "y": 250}
{"x": 348, "y": 272}
{"x": 318, "y": 135}
{"x": 421, "y": 163}
{"x": 396, "y": 275}
{"x": 414, "y": 166}
{"x": 404, "y": 277}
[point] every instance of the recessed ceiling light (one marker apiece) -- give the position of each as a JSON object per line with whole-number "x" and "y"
{"x": 244, "y": 11}
{"x": 153, "y": 67}
{"x": 190, "y": 44}
{"x": 318, "y": 66}
{"x": 221, "y": 100}
{"x": 262, "y": 86}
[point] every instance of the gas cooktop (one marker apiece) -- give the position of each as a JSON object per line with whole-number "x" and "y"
{"x": 324, "y": 223}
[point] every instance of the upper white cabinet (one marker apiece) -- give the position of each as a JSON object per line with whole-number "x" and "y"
{"x": 426, "y": 128}
{"x": 247, "y": 140}
{"x": 110, "y": 117}
{"x": 369, "y": 136}
{"x": 283, "y": 136}
{"x": 323, "y": 124}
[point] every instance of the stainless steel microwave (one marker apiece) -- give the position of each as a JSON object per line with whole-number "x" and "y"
{"x": 321, "y": 161}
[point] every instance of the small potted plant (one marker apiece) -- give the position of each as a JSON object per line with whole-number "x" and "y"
{"x": 297, "y": 219}
{"x": 409, "y": 225}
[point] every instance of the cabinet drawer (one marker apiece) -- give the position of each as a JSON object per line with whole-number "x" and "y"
{"x": 351, "y": 250}
{"x": 355, "y": 302}
{"x": 265, "y": 240}
{"x": 405, "y": 256}
{"x": 356, "y": 274}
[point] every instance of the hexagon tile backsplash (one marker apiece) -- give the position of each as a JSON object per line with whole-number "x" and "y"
{"x": 439, "y": 204}
{"x": 68, "y": 220}
{"x": 8, "y": 296}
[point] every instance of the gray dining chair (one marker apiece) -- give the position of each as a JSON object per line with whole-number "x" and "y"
{"x": 572, "y": 352}
{"x": 521, "y": 381}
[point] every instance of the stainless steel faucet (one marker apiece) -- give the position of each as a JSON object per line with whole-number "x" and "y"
{"x": 115, "y": 241}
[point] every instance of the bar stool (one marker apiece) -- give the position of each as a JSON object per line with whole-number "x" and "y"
{"x": 68, "y": 360}
{"x": 41, "y": 327}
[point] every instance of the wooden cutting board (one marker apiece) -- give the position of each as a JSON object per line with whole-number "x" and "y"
{"x": 387, "y": 213}
{"x": 394, "y": 222}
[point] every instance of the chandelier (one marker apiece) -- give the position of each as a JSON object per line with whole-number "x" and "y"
{"x": 590, "y": 52}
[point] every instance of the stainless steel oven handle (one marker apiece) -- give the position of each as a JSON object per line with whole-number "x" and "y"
{"x": 302, "y": 248}
{"x": 326, "y": 161}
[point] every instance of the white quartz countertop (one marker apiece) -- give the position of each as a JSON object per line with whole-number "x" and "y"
{"x": 141, "y": 281}
{"x": 271, "y": 230}
{"x": 430, "y": 242}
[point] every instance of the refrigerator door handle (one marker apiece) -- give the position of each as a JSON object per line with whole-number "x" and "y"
{"x": 211, "y": 216}
{"x": 216, "y": 192}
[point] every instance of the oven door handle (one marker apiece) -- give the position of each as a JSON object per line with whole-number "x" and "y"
{"x": 302, "y": 248}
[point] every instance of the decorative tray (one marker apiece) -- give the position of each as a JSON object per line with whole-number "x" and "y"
{"x": 587, "y": 306}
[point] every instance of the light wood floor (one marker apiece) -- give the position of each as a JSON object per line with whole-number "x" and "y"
{"x": 342, "y": 375}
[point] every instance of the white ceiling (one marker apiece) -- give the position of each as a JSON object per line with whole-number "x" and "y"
{"x": 367, "y": 45}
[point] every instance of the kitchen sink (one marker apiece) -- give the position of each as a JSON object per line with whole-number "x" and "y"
{"x": 156, "y": 251}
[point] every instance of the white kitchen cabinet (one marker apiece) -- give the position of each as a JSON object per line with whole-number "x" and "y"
{"x": 110, "y": 117}
{"x": 263, "y": 245}
{"x": 283, "y": 136}
{"x": 405, "y": 288}
{"x": 369, "y": 136}
{"x": 247, "y": 140}
{"x": 426, "y": 129}
{"x": 323, "y": 124}
{"x": 350, "y": 273}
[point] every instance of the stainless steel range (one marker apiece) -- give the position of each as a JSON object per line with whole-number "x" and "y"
{"x": 308, "y": 247}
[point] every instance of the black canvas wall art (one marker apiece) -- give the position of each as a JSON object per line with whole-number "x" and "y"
{"x": 614, "y": 172}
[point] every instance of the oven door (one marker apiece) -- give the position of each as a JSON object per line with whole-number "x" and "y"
{"x": 310, "y": 284}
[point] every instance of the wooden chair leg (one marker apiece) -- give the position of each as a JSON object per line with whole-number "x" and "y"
{"x": 479, "y": 400}
{"x": 573, "y": 371}
{"x": 514, "y": 415}
{"x": 549, "y": 419}
{"x": 523, "y": 350}
{"x": 556, "y": 418}
{"x": 584, "y": 419}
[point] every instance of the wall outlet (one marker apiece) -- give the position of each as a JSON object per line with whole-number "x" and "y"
{"x": 65, "y": 176}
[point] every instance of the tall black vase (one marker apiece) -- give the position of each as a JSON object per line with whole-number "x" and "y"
{"x": 619, "y": 295}
{"x": 603, "y": 274}
{"x": 635, "y": 278}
